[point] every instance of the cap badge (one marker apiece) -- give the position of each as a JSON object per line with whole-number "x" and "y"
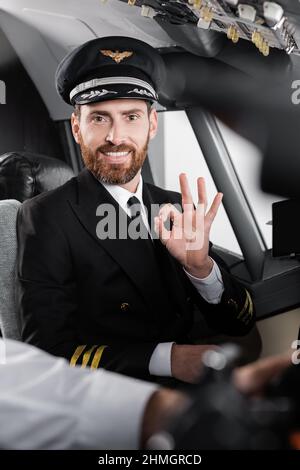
{"x": 117, "y": 56}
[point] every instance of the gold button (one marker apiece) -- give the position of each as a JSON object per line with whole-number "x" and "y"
{"x": 124, "y": 306}
{"x": 232, "y": 303}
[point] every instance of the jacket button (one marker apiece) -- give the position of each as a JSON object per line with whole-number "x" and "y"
{"x": 232, "y": 303}
{"x": 124, "y": 306}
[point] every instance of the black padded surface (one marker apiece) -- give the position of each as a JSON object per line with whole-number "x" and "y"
{"x": 24, "y": 175}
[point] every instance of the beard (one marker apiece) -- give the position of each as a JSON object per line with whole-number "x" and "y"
{"x": 111, "y": 173}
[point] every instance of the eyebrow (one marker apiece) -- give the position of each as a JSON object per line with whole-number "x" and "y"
{"x": 106, "y": 113}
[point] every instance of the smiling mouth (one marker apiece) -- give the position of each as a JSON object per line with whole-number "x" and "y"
{"x": 116, "y": 157}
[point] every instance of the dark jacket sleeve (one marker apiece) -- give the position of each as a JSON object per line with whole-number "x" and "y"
{"x": 47, "y": 298}
{"x": 235, "y": 314}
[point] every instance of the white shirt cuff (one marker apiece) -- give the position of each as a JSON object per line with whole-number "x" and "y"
{"x": 160, "y": 362}
{"x": 211, "y": 287}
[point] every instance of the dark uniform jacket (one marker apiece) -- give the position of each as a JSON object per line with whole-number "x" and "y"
{"x": 108, "y": 303}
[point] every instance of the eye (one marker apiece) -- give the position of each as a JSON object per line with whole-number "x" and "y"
{"x": 133, "y": 117}
{"x": 98, "y": 118}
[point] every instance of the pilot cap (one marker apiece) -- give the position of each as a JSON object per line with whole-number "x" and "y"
{"x": 110, "y": 68}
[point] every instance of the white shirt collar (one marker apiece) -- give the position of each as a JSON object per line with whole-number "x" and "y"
{"x": 121, "y": 195}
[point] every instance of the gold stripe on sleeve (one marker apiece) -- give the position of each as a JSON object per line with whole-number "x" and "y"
{"x": 78, "y": 351}
{"x": 87, "y": 356}
{"x": 250, "y": 303}
{"x": 249, "y": 312}
{"x": 97, "y": 357}
{"x": 241, "y": 313}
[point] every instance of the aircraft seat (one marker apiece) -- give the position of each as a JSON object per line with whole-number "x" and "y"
{"x": 23, "y": 175}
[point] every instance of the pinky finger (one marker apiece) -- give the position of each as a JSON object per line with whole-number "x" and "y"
{"x": 211, "y": 214}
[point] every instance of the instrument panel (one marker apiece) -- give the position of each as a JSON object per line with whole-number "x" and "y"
{"x": 266, "y": 24}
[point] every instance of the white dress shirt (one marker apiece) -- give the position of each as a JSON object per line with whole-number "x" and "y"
{"x": 210, "y": 288}
{"x": 46, "y": 404}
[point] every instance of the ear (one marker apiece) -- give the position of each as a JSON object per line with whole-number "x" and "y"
{"x": 153, "y": 123}
{"x": 75, "y": 127}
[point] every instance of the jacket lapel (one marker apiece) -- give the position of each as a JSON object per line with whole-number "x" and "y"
{"x": 135, "y": 257}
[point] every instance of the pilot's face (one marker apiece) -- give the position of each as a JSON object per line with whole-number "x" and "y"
{"x": 113, "y": 137}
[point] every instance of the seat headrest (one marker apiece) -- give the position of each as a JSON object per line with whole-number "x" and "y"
{"x": 24, "y": 175}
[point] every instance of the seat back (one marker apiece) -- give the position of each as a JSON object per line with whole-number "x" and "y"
{"x": 23, "y": 175}
{"x": 8, "y": 259}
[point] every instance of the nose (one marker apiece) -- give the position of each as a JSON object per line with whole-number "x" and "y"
{"x": 115, "y": 135}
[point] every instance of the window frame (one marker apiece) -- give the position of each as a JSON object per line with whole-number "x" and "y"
{"x": 274, "y": 282}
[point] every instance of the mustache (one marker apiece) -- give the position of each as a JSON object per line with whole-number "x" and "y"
{"x": 115, "y": 148}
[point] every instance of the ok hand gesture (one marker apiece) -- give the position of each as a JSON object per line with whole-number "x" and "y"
{"x": 188, "y": 239}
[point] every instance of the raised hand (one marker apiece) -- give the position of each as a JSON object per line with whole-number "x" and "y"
{"x": 188, "y": 239}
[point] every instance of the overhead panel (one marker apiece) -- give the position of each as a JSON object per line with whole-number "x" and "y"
{"x": 266, "y": 24}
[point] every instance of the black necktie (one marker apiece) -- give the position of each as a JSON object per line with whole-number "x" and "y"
{"x": 135, "y": 207}
{"x": 136, "y": 214}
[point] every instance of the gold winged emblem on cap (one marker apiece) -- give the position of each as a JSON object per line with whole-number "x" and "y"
{"x": 117, "y": 56}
